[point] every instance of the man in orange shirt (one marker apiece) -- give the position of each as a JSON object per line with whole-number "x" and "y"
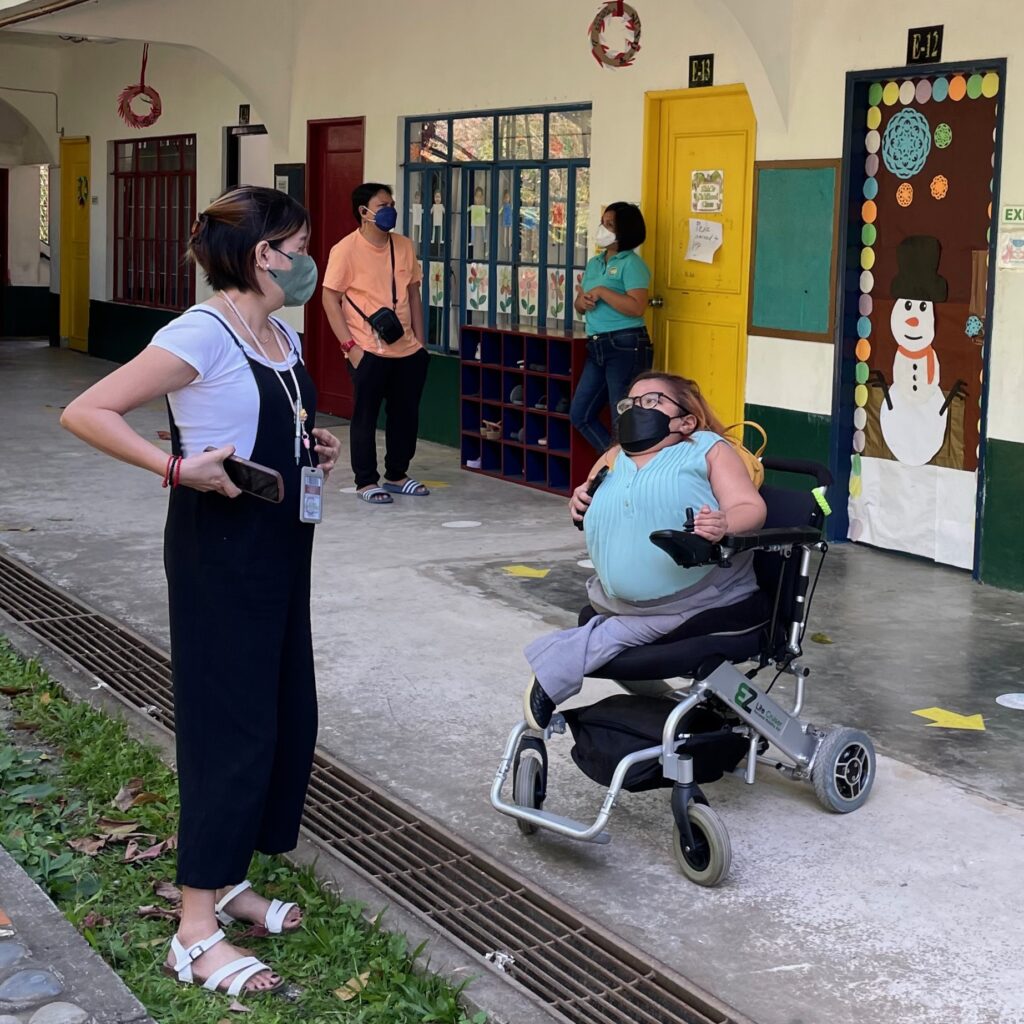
{"x": 371, "y": 273}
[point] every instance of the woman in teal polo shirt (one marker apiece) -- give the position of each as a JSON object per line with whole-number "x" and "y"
{"x": 613, "y": 299}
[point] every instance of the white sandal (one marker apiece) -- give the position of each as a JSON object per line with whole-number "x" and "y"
{"x": 243, "y": 967}
{"x": 273, "y": 921}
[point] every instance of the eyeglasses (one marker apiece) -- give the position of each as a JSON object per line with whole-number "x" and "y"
{"x": 648, "y": 401}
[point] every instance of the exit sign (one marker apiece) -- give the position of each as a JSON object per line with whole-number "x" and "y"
{"x": 702, "y": 70}
{"x": 924, "y": 45}
{"x": 1013, "y": 215}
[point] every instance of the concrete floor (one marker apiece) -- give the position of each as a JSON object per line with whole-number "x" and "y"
{"x": 906, "y": 912}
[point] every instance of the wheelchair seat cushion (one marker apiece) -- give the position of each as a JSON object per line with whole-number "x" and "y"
{"x": 612, "y": 728}
{"x": 734, "y": 632}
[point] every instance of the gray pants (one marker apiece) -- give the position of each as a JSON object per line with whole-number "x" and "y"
{"x": 561, "y": 660}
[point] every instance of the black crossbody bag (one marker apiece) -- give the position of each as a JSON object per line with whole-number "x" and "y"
{"x": 385, "y": 323}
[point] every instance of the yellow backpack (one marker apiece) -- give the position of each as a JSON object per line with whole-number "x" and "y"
{"x": 752, "y": 460}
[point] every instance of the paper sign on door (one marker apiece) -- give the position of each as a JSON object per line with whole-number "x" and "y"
{"x": 705, "y": 240}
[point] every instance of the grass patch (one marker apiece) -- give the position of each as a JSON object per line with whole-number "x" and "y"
{"x": 62, "y": 765}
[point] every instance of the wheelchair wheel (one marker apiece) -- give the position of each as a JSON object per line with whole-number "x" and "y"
{"x": 844, "y": 770}
{"x": 529, "y": 783}
{"x": 708, "y": 862}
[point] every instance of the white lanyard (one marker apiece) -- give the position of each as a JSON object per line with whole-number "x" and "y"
{"x": 301, "y": 437}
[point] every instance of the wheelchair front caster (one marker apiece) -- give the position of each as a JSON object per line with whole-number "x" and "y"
{"x": 844, "y": 769}
{"x": 530, "y": 779}
{"x": 707, "y": 861}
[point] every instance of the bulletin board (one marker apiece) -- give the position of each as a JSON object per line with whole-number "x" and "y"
{"x": 291, "y": 178}
{"x": 795, "y": 249}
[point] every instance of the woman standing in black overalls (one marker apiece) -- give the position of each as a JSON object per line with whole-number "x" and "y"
{"x": 238, "y": 568}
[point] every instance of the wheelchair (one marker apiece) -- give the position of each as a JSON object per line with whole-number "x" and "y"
{"x": 661, "y": 735}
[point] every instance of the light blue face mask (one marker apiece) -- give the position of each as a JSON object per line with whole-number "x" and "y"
{"x": 298, "y": 282}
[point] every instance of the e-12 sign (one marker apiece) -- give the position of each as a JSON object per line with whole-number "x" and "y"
{"x": 924, "y": 45}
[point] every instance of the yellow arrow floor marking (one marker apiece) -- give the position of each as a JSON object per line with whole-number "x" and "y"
{"x": 525, "y": 571}
{"x": 943, "y": 719}
{"x": 434, "y": 484}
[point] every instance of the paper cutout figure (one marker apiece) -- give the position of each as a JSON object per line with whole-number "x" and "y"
{"x": 437, "y": 221}
{"x": 913, "y": 411}
{"x": 506, "y": 221}
{"x": 478, "y": 212}
{"x": 417, "y": 217}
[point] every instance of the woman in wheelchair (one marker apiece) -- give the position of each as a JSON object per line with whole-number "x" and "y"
{"x": 671, "y": 456}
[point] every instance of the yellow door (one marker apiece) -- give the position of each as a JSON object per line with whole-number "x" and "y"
{"x": 75, "y": 186}
{"x": 698, "y": 166}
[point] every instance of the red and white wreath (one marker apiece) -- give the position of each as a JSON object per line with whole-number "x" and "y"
{"x": 598, "y": 27}
{"x": 149, "y": 95}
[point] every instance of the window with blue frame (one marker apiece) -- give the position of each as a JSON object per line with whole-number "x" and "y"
{"x": 497, "y": 204}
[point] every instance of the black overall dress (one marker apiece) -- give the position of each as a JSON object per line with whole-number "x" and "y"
{"x": 238, "y": 579}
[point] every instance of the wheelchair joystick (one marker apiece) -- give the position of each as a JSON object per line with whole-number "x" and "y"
{"x": 689, "y": 525}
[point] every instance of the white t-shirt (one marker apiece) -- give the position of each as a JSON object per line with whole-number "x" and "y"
{"x": 222, "y": 405}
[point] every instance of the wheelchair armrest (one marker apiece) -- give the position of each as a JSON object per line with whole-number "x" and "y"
{"x": 775, "y": 537}
{"x": 686, "y": 549}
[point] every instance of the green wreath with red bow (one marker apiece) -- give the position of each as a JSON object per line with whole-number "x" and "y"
{"x": 598, "y": 27}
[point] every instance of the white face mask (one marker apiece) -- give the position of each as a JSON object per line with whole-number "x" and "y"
{"x": 604, "y": 237}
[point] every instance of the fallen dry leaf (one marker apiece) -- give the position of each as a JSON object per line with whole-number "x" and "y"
{"x": 168, "y": 892}
{"x": 237, "y": 1007}
{"x": 89, "y": 845}
{"x": 23, "y": 725}
{"x": 132, "y": 852}
{"x": 117, "y": 829}
{"x": 165, "y": 913}
{"x": 13, "y": 691}
{"x": 352, "y": 987}
{"x": 127, "y": 793}
{"x": 44, "y": 699}
{"x": 94, "y": 920}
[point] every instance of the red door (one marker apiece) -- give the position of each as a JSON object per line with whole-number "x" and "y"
{"x": 334, "y": 164}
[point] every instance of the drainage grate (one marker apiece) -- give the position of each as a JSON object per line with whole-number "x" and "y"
{"x": 578, "y": 970}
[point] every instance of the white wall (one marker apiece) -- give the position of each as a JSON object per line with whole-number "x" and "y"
{"x": 197, "y": 99}
{"x": 792, "y": 55}
{"x": 23, "y": 258}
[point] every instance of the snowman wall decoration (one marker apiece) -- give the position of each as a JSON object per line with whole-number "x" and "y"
{"x": 914, "y": 412}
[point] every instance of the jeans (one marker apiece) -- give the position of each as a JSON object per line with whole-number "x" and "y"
{"x": 613, "y": 360}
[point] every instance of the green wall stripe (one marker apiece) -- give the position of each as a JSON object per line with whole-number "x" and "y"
{"x": 792, "y": 435}
{"x": 1002, "y": 526}
{"x": 439, "y": 408}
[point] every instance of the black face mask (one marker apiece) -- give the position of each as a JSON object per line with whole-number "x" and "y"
{"x": 640, "y": 429}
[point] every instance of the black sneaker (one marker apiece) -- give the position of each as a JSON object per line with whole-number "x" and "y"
{"x": 538, "y": 707}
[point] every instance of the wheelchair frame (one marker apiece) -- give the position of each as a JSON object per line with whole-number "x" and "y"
{"x": 839, "y": 762}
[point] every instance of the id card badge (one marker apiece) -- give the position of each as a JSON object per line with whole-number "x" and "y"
{"x": 311, "y": 495}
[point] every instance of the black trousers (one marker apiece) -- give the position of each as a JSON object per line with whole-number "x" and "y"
{"x": 245, "y": 707}
{"x": 398, "y": 385}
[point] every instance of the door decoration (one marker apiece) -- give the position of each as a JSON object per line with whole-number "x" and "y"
{"x": 604, "y": 56}
{"x": 148, "y": 95}
{"x": 928, "y": 149}
{"x": 556, "y": 293}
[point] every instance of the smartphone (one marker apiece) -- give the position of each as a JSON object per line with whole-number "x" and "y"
{"x": 592, "y": 490}
{"x": 259, "y": 481}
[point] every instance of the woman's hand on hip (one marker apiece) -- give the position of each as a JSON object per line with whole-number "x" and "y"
{"x": 205, "y": 472}
{"x": 579, "y": 502}
{"x": 327, "y": 448}
{"x": 711, "y": 525}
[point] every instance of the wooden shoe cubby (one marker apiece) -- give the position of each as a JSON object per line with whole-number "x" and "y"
{"x": 523, "y": 381}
